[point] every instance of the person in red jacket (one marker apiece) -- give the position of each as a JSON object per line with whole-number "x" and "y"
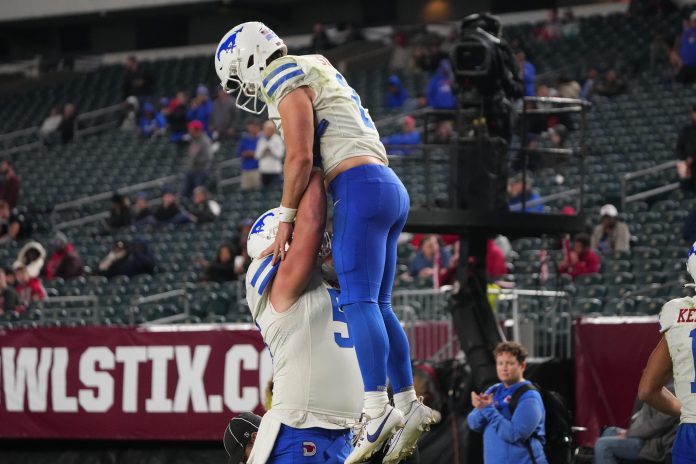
{"x": 495, "y": 261}
{"x": 580, "y": 259}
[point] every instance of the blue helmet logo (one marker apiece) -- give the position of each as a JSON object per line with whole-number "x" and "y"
{"x": 692, "y": 251}
{"x": 229, "y": 44}
{"x": 258, "y": 227}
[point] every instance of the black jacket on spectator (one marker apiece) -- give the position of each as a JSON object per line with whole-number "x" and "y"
{"x": 67, "y": 129}
{"x": 177, "y": 120}
{"x": 220, "y": 272}
{"x": 137, "y": 82}
{"x": 163, "y": 214}
{"x": 686, "y": 145}
{"x": 119, "y": 218}
{"x": 203, "y": 213}
{"x": 8, "y": 299}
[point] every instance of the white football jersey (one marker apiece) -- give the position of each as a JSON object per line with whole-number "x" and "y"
{"x": 351, "y": 131}
{"x": 316, "y": 378}
{"x": 678, "y": 323}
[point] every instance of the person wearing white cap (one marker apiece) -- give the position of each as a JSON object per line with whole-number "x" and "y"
{"x": 610, "y": 234}
{"x": 686, "y": 47}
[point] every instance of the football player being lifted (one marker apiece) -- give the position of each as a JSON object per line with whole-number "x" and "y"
{"x": 370, "y": 209}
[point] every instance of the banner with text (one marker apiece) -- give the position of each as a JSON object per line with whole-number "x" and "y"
{"x": 153, "y": 383}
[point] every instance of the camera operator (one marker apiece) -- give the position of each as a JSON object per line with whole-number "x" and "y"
{"x": 486, "y": 73}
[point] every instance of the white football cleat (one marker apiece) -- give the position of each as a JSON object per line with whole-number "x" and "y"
{"x": 373, "y": 433}
{"x": 418, "y": 420}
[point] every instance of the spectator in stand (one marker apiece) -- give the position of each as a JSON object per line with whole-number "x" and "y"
{"x": 246, "y": 150}
{"x": 527, "y": 73}
{"x": 396, "y": 94}
{"x": 409, "y": 135}
{"x": 269, "y": 152}
{"x": 8, "y": 295}
{"x": 29, "y": 289}
{"x": 204, "y": 208}
{"x": 11, "y": 183}
{"x": 119, "y": 214}
{"x": 401, "y": 56}
{"x": 198, "y": 159}
{"x": 320, "y": 41}
{"x": 64, "y": 261}
{"x": 444, "y": 133}
{"x": 33, "y": 256}
{"x": 611, "y": 86}
{"x": 509, "y": 437}
{"x": 68, "y": 124}
{"x": 48, "y": 133}
{"x": 222, "y": 269}
{"x": 439, "y": 91}
{"x": 111, "y": 264}
{"x": 137, "y": 81}
{"x": 684, "y": 55}
{"x": 201, "y": 108}
{"x": 130, "y": 108}
{"x": 12, "y": 224}
{"x": 517, "y": 191}
{"x": 178, "y": 124}
{"x": 496, "y": 266}
{"x": 649, "y": 438}
{"x": 686, "y": 152}
{"x": 552, "y": 29}
{"x": 589, "y": 84}
{"x": 610, "y": 234}
{"x": 151, "y": 122}
{"x": 142, "y": 215}
{"x": 430, "y": 256}
{"x": 570, "y": 26}
{"x": 169, "y": 212}
{"x": 242, "y": 260}
{"x": 128, "y": 259}
{"x": 223, "y": 117}
{"x": 580, "y": 259}
{"x": 568, "y": 88}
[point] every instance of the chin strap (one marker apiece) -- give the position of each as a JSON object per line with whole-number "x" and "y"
{"x": 689, "y": 286}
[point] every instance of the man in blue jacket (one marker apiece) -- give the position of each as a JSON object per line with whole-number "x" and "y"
{"x": 509, "y": 437}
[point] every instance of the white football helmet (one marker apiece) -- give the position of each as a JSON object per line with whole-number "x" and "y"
{"x": 691, "y": 265}
{"x": 240, "y": 58}
{"x": 263, "y": 232}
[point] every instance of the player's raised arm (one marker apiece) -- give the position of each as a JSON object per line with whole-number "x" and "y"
{"x": 297, "y": 120}
{"x": 295, "y": 271}
{"x": 656, "y": 374}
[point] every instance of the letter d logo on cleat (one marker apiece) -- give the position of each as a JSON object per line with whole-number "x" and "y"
{"x": 309, "y": 448}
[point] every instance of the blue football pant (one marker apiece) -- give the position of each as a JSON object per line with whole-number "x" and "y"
{"x": 370, "y": 210}
{"x": 312, "y": 446}
{"x": 684, "y": 448}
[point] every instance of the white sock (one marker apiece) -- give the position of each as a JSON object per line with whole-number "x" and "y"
{"x": 404, "y": 400}
{"x": 375, "y": 402}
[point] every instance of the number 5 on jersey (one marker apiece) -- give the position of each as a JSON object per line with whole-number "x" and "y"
{"x": 338, "y": 316}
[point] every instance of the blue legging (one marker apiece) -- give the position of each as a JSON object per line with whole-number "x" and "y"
{"x": 370, "y": 209}
{"x": 684, "y": 448}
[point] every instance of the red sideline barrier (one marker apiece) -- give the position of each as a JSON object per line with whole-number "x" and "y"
{"x": 610, "y": 355}
{"x": 158, "y": 383}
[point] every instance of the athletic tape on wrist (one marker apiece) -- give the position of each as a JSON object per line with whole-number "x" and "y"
{"x": 287, "y": 214}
